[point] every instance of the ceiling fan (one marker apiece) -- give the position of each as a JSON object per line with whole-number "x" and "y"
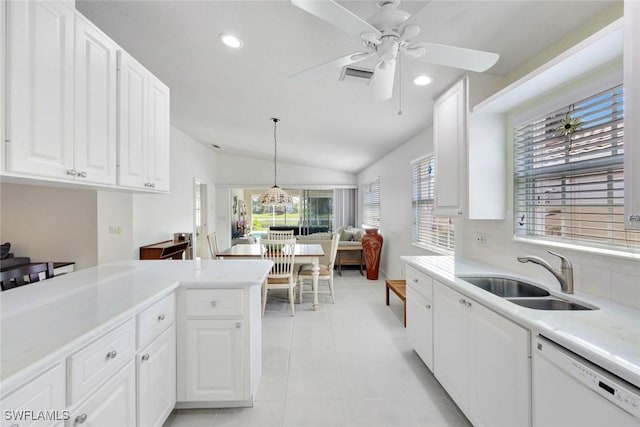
{"x": 386, "y": 34}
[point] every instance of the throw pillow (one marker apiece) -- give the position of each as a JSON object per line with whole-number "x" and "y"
{"x": 358, "y": 235}
{"x": 4, "y": 250}
{"x": 347, "y": 234}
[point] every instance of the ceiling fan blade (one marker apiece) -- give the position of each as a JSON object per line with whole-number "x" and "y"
{"x": 383, "y": 80}
{"x": 337, "y": 63}
{"x": 333, "y": 13}
{"x": 457, "y": 57}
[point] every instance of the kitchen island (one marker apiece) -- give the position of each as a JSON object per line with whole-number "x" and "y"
{"x": 111, "y": 330}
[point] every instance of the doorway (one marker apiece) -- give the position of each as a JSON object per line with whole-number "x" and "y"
{"x": 200, "y": 219}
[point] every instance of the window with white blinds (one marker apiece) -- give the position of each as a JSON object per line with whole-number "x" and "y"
{"x": 432, "y": 232}
{"x": 568, "y": 175}
{"x": 371, "y": 203}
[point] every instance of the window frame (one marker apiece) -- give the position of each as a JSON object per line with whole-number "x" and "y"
{"x": 371, "y": 205}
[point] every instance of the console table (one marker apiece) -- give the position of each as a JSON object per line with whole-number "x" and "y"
{"x": 340, "y": 260}
{"x": 164, "y": 250}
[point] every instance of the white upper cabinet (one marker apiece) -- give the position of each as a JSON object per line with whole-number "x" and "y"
{"x": 95, "y": 104}
{"x": 144, "y": 127}
{"x": 449, "y": 143}
{"x": 40, "y": 81}
{"x": 632, "y": 107}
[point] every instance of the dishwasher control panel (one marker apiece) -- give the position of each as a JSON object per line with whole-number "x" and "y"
{"x": 622, "y": 394}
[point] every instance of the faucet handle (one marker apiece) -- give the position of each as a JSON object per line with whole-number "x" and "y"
{"x": 564, "y": 262}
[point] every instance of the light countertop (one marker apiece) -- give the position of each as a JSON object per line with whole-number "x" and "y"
{"x": 608, "y": 337}
{"x": 45, "y": 320}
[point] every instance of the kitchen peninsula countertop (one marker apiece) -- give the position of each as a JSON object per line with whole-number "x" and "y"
{"x": 44, "y": 321}
{"x": 608, "y": 337}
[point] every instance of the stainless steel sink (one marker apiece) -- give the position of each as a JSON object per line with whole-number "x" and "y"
{"x": 506, "y": 287}
{"x": 549, "y": 304}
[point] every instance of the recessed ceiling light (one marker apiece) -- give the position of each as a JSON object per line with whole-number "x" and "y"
{"x": 422, "y": 80}
{"x": 230, "y": 40}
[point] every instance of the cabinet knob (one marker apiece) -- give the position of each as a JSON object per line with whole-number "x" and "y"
{"x": 461, "y": 301}
{"x": 82, "y": 174}
{"x": 14, "y": 425}
{"x": 153, "y": 185}
{"x": 145, "y": 357}
{"x": 72, "y": 172}
{"x": 213, "y": 303}
{"x": 161, "y": 317}
{"x": 112, "y": 354}
{"x": 238, "y": 324}
{"x": 415, "y": 280}
{"x": 428, "y": 306}
{"x": 80, "y": 419}
{"x": 468, "y": 303}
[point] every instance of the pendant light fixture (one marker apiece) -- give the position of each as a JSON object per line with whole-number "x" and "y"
{"x": 275, "y": 196}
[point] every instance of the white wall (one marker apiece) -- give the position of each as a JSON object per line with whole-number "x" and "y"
{"x": 114, "y": 226}
{"x": 157, "y": 216}
{"x": 396, "y": 221}
{"x": 49, "y": 223}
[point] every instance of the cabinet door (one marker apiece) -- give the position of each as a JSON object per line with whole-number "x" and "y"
{"x": 157, "y": 380}
{"x": 113, "y": 404}
{"x": 450, "y": 358}
{"x": 95, "y": 104}
{"x": 214, "y": 360}
{"x": 40, "y": 87}
{"x": 420, "y": 326}
{"x": 632, "y": 108}
{"x": 158, "y": 147}
{"x": 133, "y": 87}
{"x": 449, "y": 143}
{"x": 499, "y": 371}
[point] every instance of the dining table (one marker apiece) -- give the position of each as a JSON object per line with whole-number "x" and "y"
{"x": 303, "y": 254}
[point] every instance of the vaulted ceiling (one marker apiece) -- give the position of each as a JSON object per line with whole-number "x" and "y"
{"x": 225, "y": 97}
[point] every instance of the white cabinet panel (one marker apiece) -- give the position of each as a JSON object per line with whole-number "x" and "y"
{"x": 214, "y": 302}
{"x": 157, "y": 380}
{"x": 155, "y": 319}
{"x": 158, "y": 151}
{"x": 44, "y": 393}
{"x": 449, "y": 142}
{"x": 40, "y": 87}
{"x": 420, "y": 325}
{"x": 114, "y": 404}
{"x": 631, "y": 110}
{"x": 95, "y": 104}
{"x": 214, "y": 360}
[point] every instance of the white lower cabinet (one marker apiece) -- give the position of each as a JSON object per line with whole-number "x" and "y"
{"x": 157, "y": 379}
{"x": 419, "y": 308}
{"x": 482, "y": 360}
{"x": 214, "y": 360}
{"x": 113, "y": 404}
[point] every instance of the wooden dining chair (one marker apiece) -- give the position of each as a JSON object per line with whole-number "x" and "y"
{"x": 212, "y": 241}
{"x": 282, "y": 253}
{"x": 25, "y": 274}
{"x": 280, "y": 234}
{"x": 305, "y": 275}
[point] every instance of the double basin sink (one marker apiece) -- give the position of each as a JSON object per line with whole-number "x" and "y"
{"x": 523, "y": 293}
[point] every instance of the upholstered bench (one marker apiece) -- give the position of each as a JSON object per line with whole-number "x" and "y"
{"x": 399, "y": 287}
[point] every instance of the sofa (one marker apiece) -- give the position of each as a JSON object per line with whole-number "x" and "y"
{"x": 349, "y": 236}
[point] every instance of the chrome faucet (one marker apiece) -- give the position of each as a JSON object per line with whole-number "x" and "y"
{"x": 564, "y": 276}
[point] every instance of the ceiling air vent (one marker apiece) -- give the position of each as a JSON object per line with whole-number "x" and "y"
{"x": 359, "y": 75}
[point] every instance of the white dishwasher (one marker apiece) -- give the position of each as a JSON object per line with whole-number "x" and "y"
{"x": 571, "y": 391}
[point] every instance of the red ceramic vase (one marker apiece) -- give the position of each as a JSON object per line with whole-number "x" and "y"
{"x": 372, "y": 246}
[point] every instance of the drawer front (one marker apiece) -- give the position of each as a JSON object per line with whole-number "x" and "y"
{"x": 420, "y": 282}
{"x": 214, "y": 302}
{"x": 44, "y": 393}
{"x": 155, "y": 319}
{"x": 99, "y": 360}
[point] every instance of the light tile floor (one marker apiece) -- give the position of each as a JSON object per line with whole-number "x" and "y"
{"x": 347, "y": 364}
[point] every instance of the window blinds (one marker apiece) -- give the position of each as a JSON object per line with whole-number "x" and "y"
{"x": 371, "y": 203}
{"x": 434, "y": 232}
{"x": 568, "y": 167}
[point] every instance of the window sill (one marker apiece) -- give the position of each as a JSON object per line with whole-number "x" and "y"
{"x": 430, "y": 248}
{"x": 615, "y": 253}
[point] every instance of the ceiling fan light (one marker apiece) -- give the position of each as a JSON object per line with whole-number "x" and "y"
{"x": 275, "y": 196}
{"x": 422, "y": 80}
{"x": 231, "y": 40}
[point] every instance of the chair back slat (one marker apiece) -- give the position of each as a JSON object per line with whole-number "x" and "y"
{"x": 282, "y": 253}
{"x": 18, "y": 276}
{"x": 212, "y": 240}
{"x": 280, "y": 234}
{"x": 335, "y": 241}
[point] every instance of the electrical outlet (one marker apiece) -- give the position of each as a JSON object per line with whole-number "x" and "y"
{"x": 482, "y": 240}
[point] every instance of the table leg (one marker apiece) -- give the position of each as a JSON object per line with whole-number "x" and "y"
{"x": 315, "y": 273}
{"x": 340, "y": 263}
{"x": 361, "y": 260}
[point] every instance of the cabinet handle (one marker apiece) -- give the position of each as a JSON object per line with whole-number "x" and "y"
{"x": 462, "y": 301}
{"x": 415, "y": 280}
{"x": 468, "y": 303}
{"x": 213, "y": 303}
{"x": 238, "y": 324}
{"x": 145, "y": 357}
{"x": 80, "y": 419}
{"x": 72, "y": 172}
{"x": 428, "y": 306}
{"x": 112, "y": 354}
{"x": 14, "y": 425}
{"x": 153, "y": 185}
{"x": 82, "y": 174}
{"x": 161, "y": 317}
